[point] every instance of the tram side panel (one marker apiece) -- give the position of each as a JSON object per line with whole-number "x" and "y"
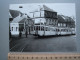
{"x": 47, "y": 31}
{"x": 50, "y": 31}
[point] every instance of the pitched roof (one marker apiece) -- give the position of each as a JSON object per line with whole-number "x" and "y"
{"x": 23, "y": 20}
{"x": 62, "y": 18}
{"x": 10, "y": 15}
{"x": 14, "y": 13}
{"x": 47, "y": 8}
{"x": 43, "y": 7}
{"x": 19, "y": 18}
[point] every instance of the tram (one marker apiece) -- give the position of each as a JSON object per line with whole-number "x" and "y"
{"x": 41, "y": 30}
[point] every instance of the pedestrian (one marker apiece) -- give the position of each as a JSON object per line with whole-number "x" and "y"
{"x": 20, "y": 34}
{"x": 10, "y": 34}
{"x": 26, "y": 34}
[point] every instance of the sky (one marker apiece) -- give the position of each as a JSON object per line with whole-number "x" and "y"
{"x": 67, "y": 9}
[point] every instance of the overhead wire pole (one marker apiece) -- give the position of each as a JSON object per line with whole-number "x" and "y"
{"x": 42, "y": 28}
{"x": 40, "y": 15}
{"x": 20, "y": 33}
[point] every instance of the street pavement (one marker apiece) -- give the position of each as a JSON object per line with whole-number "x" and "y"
{"x": 43, "y": 44}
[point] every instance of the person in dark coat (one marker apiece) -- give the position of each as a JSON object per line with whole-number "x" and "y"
{"x": 10, "y": 34}
{"x": 20, "y": 34}
{"x": 26, "y": 33}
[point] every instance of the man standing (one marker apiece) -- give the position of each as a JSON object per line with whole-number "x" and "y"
{"x": 20, "y": 34}
{"x": 26, "y": 33}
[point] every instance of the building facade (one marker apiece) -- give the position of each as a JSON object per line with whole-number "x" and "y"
{"x": 45, "y": 16}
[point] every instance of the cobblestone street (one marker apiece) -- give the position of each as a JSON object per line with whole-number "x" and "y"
{"x": 44, "y": 44}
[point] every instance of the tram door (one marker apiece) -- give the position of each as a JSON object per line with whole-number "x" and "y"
{"x": 36, "y": 29}
{"x": 57, "y": 31}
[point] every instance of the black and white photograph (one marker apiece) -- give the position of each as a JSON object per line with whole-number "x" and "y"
{"x": 42, "y": 27}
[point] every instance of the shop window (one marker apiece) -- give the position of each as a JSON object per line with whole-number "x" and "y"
{"x": 12, "y": 28}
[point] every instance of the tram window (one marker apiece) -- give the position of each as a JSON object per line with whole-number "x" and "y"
{"x": 42, "y": 28}
{"x": 34, "y": 27}
{"x": 31, "y": 28}
{"x": 39, "y": 27}
{"x": 56, "y": 29}
{"x": 52, "y": 29}
{"x": 46, "y": 28}
{"x": 61, "y": 29}
{"x": 66, "y": 30}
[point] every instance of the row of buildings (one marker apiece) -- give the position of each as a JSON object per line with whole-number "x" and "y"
{"x": 42, "y": 15}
